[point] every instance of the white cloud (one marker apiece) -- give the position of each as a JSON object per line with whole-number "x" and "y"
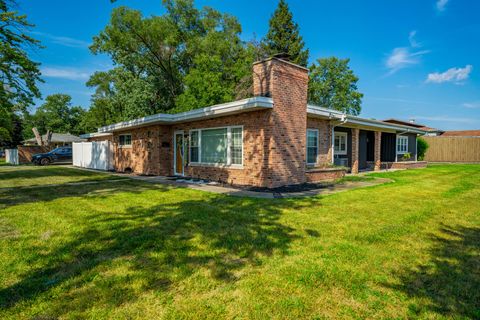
{"x": 65, "y": 73}
{"x": 472, "y": 105}
{"x": 411, "y": 39}
{"x": 456, "y": 75}
{"x": 64, "y": 41}
{"x": 404, "y": 57}
{"x": 441, "y": 5}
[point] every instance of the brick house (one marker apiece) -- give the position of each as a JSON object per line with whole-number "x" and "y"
{"x": 272, "y": 139}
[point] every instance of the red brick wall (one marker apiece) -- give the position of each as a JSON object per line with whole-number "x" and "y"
{"x": 324, "y": 128}
{"x": 406, "y": 165}
{"x": 377, "y": 150}
{"x": 285, "y": 130}
{"x": 324, "y": 175}
{"x": 149, "y": 153}
{"x": 355, "y": 149}
{"x": 254, "y": 162}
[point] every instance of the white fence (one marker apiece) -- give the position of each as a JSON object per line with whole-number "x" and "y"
{"x": 11, "y": 156}
{"x": 93, "y": 155}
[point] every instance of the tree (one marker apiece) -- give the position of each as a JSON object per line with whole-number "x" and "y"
{"x": 333, "y": 85}
{"x": 57, "y": 115}
{"x": 185, "y": 59}
{"x": 284, "y": 36}
{"x": 18, "y": 74}
{"x": 422, "y": 147}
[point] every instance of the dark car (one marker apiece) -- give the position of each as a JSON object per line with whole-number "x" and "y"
{"x": 58, "y": 155}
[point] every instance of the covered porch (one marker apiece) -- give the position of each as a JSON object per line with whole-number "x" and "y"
{"x": 372, "y": 148}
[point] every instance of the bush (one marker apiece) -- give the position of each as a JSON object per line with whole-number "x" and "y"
{"x": 422, "y": 147}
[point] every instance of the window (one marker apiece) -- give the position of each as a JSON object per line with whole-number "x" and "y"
{"x": 236, "y": 146}
{"x": 312, "y": 146}
{"x": 218, "y": 146}
{"x": 402, "y": 144}
{"x": 214, "y": 145}
{"x": 125, "y": 140}
{"x": 340, "y": 143}
{"x": 194, "y": 146}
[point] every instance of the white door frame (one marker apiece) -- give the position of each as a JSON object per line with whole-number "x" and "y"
{"x": 175, "y": 153}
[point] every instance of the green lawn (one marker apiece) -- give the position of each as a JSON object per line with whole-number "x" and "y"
{"x": 133, "y": 250}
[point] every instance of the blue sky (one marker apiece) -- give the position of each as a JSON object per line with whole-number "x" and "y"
{"x": 415, "y": 59}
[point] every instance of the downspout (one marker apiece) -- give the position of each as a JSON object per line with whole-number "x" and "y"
{"x": 343, "y": 120}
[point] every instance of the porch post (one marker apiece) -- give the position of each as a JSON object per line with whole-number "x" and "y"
{"x": 331, "y": 136}
{"x": 355, "y": 137}
{"x": 396, "y": 148}
{"x": 377, "y": 151}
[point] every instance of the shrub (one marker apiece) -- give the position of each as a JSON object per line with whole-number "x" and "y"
{"x": 422, "y": 147}
{"x": 406, "y": 156}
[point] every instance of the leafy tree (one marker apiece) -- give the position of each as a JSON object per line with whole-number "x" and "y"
{"x": 185, "y": 59}
{"x": 18, "y": 74}
{"x": 57, "y": 115}
{"x": 284, "y": 36}
{"x": 333, "y": 85}
{"x": 422, "y": 147}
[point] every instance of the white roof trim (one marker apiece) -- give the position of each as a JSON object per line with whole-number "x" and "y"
{"x": 224, "y": 109}
{"x": 94, "y": 135}
{"x": 383, "y": 125}
{"x": 376, "y": 124}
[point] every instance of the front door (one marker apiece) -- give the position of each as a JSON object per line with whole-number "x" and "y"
{"x": 179, "y": 153}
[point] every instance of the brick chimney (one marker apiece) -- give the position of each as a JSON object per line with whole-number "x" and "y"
{"x": 285, "y": 132}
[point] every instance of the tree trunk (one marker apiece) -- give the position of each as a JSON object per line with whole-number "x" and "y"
{"x": 38, "y": 137}
{"x": 48, "y": 139}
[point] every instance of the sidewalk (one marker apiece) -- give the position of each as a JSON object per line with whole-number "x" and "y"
{"x": 238, "y": 192}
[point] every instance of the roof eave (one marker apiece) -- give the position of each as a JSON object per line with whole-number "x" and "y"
{"x": 325, "y": 113}
{"x": 383, "y": 125}
{"x": 225, "y": 109}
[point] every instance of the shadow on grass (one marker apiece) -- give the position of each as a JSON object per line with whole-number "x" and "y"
{"x": 450, "y": 283}
{"x": 31, "y": 171}
{"x": 156, "y": 247}
{"x": 12, "y": 196}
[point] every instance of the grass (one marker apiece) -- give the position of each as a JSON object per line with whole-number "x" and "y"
{"x": 32, "y": 176}
{"x": 133, "y": 250}
{"x": 362, "y": 178}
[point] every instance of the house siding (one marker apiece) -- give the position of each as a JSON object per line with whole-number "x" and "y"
{"x": 324, "y": 128}
{"x": 255, "y": 162}
{"x": 149, "y": 153}
{"x": 412, "y": 141}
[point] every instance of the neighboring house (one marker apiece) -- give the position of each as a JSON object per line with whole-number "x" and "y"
{"x": 462, "y": 133}
{"x": 97, "y": 136}
{"x": 270, "y": 140}
{"x": 58, "y": 140}
{"x": 429, "y": 131}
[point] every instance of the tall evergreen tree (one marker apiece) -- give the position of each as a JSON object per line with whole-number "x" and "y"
{"x": 284, "y": 36}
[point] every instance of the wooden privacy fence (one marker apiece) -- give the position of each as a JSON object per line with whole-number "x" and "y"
{"x": 453, "y": 149}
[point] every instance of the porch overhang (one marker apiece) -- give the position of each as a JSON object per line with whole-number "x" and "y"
{"x": 225, "y": 109}
{"x": 349, "y": 121}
